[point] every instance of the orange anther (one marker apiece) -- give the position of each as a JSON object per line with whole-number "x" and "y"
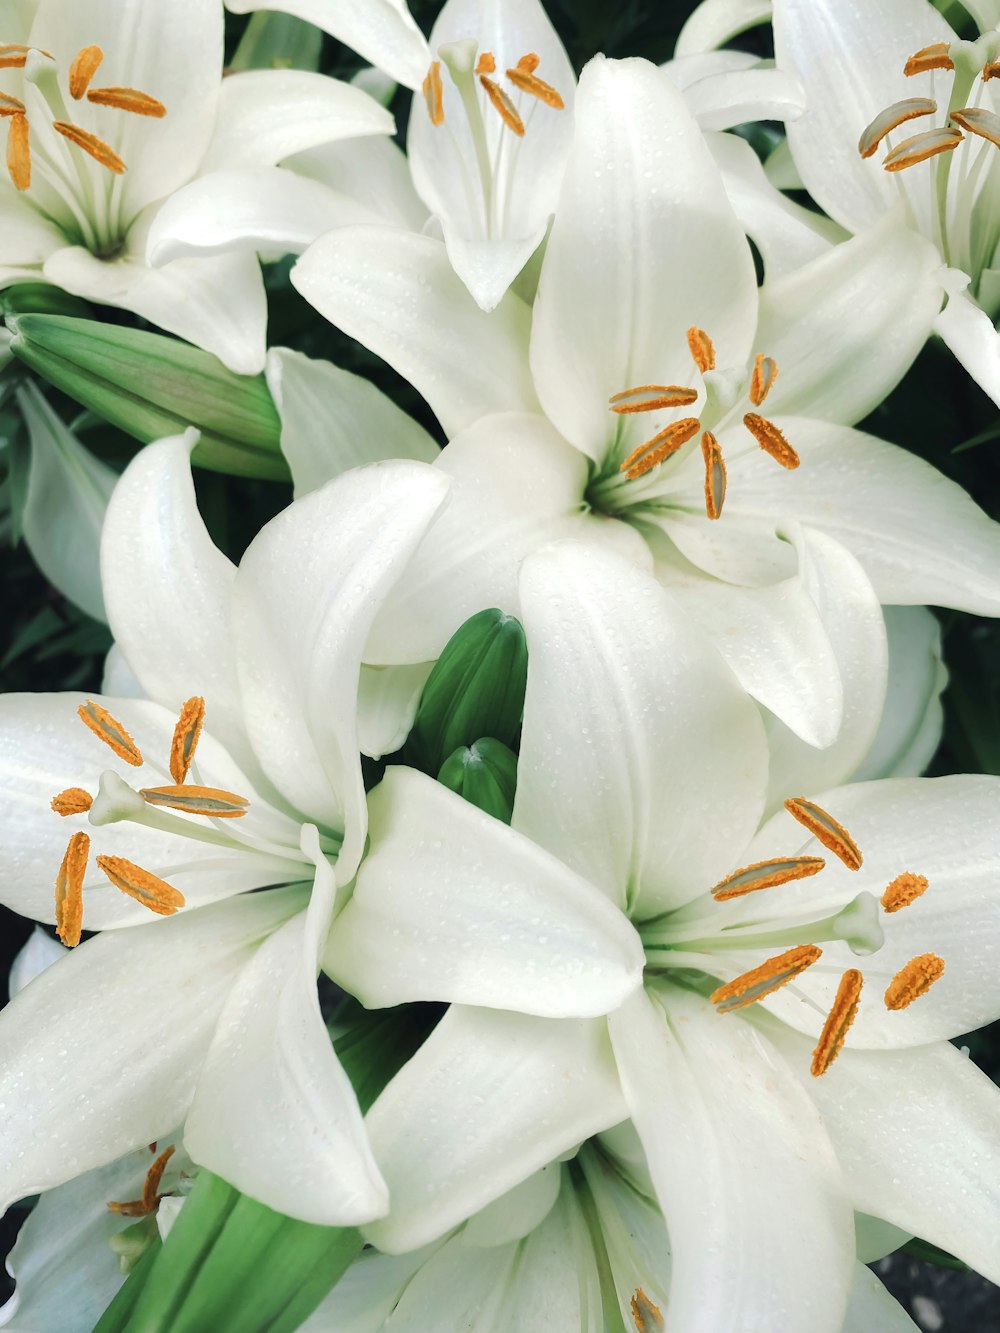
{"x": 826, "y": 829}
{"x": 647, "y": 1316}
{"x": 150, "y": 1196}
{"x": 839, "y": 1020}
{"x": 761, "y": 981}
{"x": 19, "y": 152}
{"x": 715, "y": 475}
{"x": 84, "y": 67}
{"x": 767, "y": 875}
{"x": 69, "y": 890}
{"x": 187, "y": 733}
{"x": 927, "y": 58}
{"x": 651, "y": 398}
{"x": 487, "y": 63}
{"x": 146, "y": 888}
{"x": 660, "y": 447}
{"x": 919, "y": 147}
{"x": 910, "y": 108}
{"x": 503, "y": 104}
{"x": 771, "y": 440}
{"x": 904, "y": 889}
{"x": 210, "y": 801}
{"x": 913, "y": 980}
{"x": 433, "y": 91}
{"x": 13, "y": 55}
{"x": 765, "y": 372}
{"x": 72, "y": 801}
{"x": 702, "y": 348}
{"x": 11, "y": 106}
{"x": 110, "y": 731}
{"x": 128, "y": 99}
{"x": 531, "y": 84}
{"x": 90, "y": 143}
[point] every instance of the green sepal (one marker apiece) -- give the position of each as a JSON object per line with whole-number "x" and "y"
{"x": 485, "y": 775}
{"x": 476, "y": 689}
{"x": 152, "y": 386}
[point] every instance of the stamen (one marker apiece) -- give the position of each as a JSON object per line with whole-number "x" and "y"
{"x": 661, "y": 446}
{"x": 145, "y": 888}
{"x": 930, "y": 57}
{"x": 19, "y": 152}
{"x": 891, "y": 118}
{"x": 825, "y": 828}
{"x": 647, "y": 1316}
{"x": 11, "y": 106}
{"x": 110, "y": 731}
{"x": 767, "y": 875}
{"x": 771, "y": 440}
{"x": 150, "y": 1196}
{"x": 13, "y": 55}
{"x": 433, "y": 91}
{"x": 530, "y": 83}
{"x": 487, "y": 63}
{"x": 187, "y": 733}
{"x": 761, "y": 981}
{"x": 913, "y": 980}
{"x": 84, "y": 67}
{"x": 128, "y": 99}
{"x": 839, "y": 1020}
{"x": 765, "y": 372}
{"x": 72, "y": 801}
{"x": 503, "y": 104}
{"x": 977, "y": 120}
{"x": 919, "y": 147}
{"x": 991, "y": 70}
{"x": 652, "y": 398}
{"x": 91, "y": 144}
{"x": 210, "y": 801}
{"x": 529, "y": 63}
{"x": 904, "y": 889}
{"x": 69, "y": 890}
{"x": 715, "y": 475}
{"x": 702, "y": 348}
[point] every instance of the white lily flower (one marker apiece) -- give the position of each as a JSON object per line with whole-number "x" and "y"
{"x": 109, "y": 108}
{"x": 905, "y": 120}
{"x": 643, "y": 770}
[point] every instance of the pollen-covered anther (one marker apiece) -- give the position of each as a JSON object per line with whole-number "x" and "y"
{"x": 772, "y": 440}
{"x": 144, "y": 887}
{"x": 72, "y": 801}
{"x": 935, "y": 56}
{"x": 128, "y": 99}
{"x": 433, "y": 90}
{"x": 761, "y": 981}
{"x": 652, "y": 398}
{"x": 487, "y": 63}
{"x": 504, "y": 106}
{"x": 904, "y": 889}
{"x": 647, "y": 1316}
{"x": 150, "y": 1190}
{"x": 11, "y": 106}
{"x": 702, "y": 348}
{"x": 186, "y": 735}
{"x": 715, "y": 475}
{"x": 838, "y": 1023}
{"x": 767, "y": 875}
{"x": 91, "y": 144}
{"x": 19, "y": 152}
{"x": 110, "y": 731}
{"x": 977, "y": 120}
{"x": 660, "y": 447}
{"x": 910, "y": 108}
{"x": 69, "y": 890}
{"x": 919, "y": 147}
{"x": 913, "y": 980}
{"x": 210, "y": 801}
{"x": 991, "y": 70}
{"x": 13, "y": 55}
{"x": 85, "y": 65}
{"x": 826, "y": 830}
{"x": 523, "y": 76}
{"x": 765, "y": 372}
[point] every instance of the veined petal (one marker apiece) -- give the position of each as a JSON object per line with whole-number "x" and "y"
{"x": 388, "y": 697}
{"x": 715, "y": 22}
{"x": 475, "y": 914}
{"x": 99, "y": 1068}
{"x": 970, "y": 334}
{"x": 27, "y": 237}
{"x": 735, "y": 1150}
{"x": 305, "y": 596}
{"x": 913, "y": 718}
{"x": 872, "y": 1310}
{"x": 631, "y": 723}
{"x": 656, "y": 262}
{"x": 271, "y": 1063}
{"x": 444, "y": 1151}
{"x": 397, "y": 294}
{"x": 367, "y": 1293}
{"x": 332, "y": 420}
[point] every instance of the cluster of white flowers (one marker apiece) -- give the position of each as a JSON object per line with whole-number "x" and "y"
{"x": 680, "y": 993}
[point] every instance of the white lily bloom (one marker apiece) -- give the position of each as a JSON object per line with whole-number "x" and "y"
{"x": 110, "y": 107}
{"x": 643, "y": 770}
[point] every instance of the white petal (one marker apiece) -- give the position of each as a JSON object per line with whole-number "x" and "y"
{"x": 367, "y": 1293}
{"x": 872, "y": 1310}
{"x": 715, "y": 22}
{"x": 374, "y": 172}
{"x": 876, "y": 1238}
{"x": 452, "y": 905}
{"x": 515, "y": 485}
{"x": 68, "y": 492}
{"x": 833, "y": 364}
{"x": 332, "y": 420}
{"x": 397, "y": 294}
{"x": 95, "y": 1069}
{"x": 387, "y": 704}
{"x": 118, "y": 678}
{"x": 436, "y": 1132}
{"x": 913, "y": 718}
{"x": 380, "y": 30}
{"x": 271, "y": 1064}
{"x": 643, "y": 214}
{"x": 742, "y": 1166}
{"x": 721, "y": 93}
{"x": 266, "y": 115}
{"x": 37, "y": 953}
{"x": 27, "y": 237}
{"x": 305, "y": 595}
{"x": 970, "y": 334}
{"x": 635, "y": 732}
{"x": 516, "y": 1213}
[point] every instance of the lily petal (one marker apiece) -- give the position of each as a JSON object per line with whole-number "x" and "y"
{"x": 872, "y": 1310}
{"x": 970, "y": 334}
{"x": 913, "y": 718}
{"x": 372, "y": 171}
{"x": 715, "y": 22}
{"x": 727, "y": 88}
{"x": 27, "y": 237}
{"x": 388, "y": 698}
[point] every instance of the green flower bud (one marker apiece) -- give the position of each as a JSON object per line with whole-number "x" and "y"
{"x": 485, "y": 775}
{"x": 476, "y": 689}
{"x": 151, "y": 386}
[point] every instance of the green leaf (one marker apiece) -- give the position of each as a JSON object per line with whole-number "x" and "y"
{"x": 278, "y": 41}
{"x": 931, "y": 1254}
{"x": 485, "y": 775}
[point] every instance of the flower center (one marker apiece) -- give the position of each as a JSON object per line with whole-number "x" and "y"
{"x": 150, "y": 1200}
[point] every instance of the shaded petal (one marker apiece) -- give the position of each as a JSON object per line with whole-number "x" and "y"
{"x": 332, "y": 420}
{"x": 96, "y": 1068}
{"x": 27, "y": 237}
{"x": 970, "y": 334}
{"x": 475, "y": 914}
{"x": 443, "y": 1149}
{"x": 643, "y": 214}
{"x": 374, "y": 172}
{"x": 913, "y": 718}
{"x": 390, "y": 290}
{"x": 37, "y": 953}
{"x": 387, "y": 704}
{"x": 727, "y": 88}
{"x": 367, "y": 1293}
{"x": 635, "y": 732}
{"x": 872, "y": 1310}
{"x": 715, "y": 22}
{"x": 735, "y": 1150}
